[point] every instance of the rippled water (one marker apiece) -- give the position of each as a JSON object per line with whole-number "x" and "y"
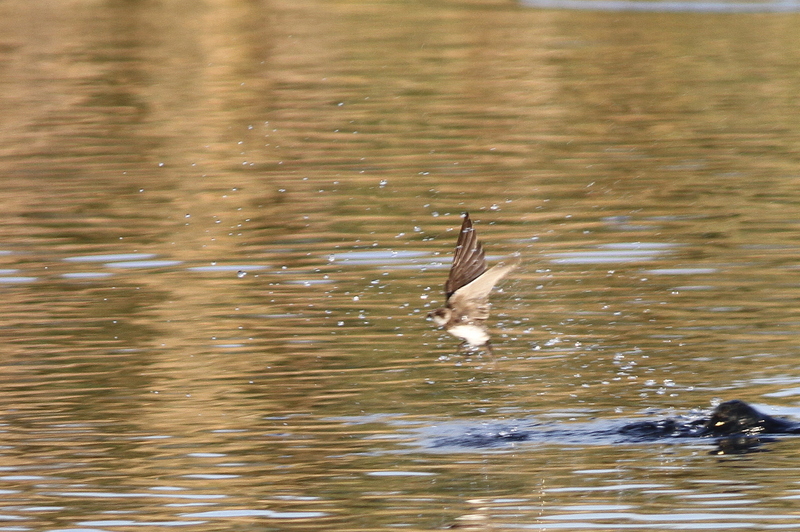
{"x": 224, "y": 224}
{"x": 690, "y": 6}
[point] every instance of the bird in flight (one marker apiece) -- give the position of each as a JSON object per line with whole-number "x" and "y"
{"x": 467, "y": 290}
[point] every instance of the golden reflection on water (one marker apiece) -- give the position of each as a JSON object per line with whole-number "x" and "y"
{"x": 225, "y": 223}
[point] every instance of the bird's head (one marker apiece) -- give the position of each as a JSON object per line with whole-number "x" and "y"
{"x": 440, "y": 316}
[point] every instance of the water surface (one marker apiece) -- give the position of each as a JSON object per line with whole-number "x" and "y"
{"x": 224, "y": 225}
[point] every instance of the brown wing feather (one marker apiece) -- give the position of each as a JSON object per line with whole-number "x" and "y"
{"x": 468, "y": 260}
{"x": 472, "y": 300}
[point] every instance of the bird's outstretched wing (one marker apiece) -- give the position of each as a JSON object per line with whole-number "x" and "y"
{"x": 473, "y": 298}
{"x": 468, "y": 261}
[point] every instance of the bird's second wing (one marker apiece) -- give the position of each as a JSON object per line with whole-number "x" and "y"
{"x": 476, "y": 294}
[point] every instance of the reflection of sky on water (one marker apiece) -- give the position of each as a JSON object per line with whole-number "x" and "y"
{"x": 7, "y": 277}
{"x": 14, "y": 280}
{"x": 144, "y": 263}
{"x": 682, "y": 271}
{"x": 86, "y": 275}
{"x": 111, "y": 257}
{"x": 613, "y": 253}
{"x": 228, "y": 268}
{"x": 379, "y": 257}
{"x": 621, "y": 252}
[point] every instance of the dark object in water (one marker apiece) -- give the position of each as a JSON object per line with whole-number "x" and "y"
{"x": 728, "y": 419}
{"x": 737, "y": 417}
{"x": 735, "y": 427}
{"x": 738, "y": 427}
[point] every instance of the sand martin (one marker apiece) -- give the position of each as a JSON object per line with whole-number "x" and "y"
{"x": 467, "y": 290}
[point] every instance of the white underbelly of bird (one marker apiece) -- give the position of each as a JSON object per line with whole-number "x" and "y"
{"x": 474, "y": 335}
